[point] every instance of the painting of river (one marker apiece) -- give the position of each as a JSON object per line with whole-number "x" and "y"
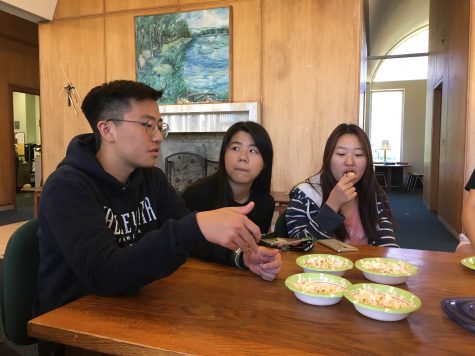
{"x": 185, "y": 54}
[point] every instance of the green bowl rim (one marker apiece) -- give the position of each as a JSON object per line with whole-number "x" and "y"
{"x": 467, "y": 264}
{"x": 349, "y": 263}
{"x": 405, "y": 294}
{"x": 390, "y": 259}
{"x": 317, "y": 276}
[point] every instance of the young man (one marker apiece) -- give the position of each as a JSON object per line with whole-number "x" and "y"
{"x": 109, "y": 221}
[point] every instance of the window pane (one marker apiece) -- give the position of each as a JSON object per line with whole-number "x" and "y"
{"x": 418, "y": 42}
{"x": 411, "y": 68}
{"x": 386, "y": 123}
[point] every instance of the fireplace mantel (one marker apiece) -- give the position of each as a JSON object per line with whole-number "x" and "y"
{"x": 208, "y": 117}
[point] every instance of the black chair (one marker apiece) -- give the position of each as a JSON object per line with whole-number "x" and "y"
{"x": 280, "y": 229}
{"x": 381, "y": 178}
{"x": 211, "y": 167}
{"x": 18, "y": 282}
{"x": 184, "y": 168}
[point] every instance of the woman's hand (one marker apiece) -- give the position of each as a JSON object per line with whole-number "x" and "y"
{"x": 343, "y": 192}
{"x": 265, "y": 262}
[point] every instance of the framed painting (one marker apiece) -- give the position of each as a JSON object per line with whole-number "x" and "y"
{"x": 186, "y": 54}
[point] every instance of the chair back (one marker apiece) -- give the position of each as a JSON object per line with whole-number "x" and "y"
{"x": 280, "y": 229}
{"x": 184, "y": 168}
{"x": 18, "y": 282}
{"x": 211, "y": 167}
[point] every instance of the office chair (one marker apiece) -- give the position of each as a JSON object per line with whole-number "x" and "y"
{"x": 18, "y": 282}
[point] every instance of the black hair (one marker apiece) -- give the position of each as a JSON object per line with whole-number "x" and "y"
{"x": 264, "y": 144}
{"x": 367, "y": 187}
{"x": 113, "y": 100}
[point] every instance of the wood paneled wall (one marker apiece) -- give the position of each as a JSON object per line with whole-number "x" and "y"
{"x": 19, "y": 68}
{"x": 299, "y": 58}
{"x": 311, "y": 67}
{"x": 448, "y": 67}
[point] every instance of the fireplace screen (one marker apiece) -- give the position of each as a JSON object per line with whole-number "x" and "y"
{"x": 184, "y": 168}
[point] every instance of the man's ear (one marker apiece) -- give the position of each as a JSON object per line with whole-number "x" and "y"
{"x": 105, "y": 130}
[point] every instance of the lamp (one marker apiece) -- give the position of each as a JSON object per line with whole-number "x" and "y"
{"x": 385, "y": 146}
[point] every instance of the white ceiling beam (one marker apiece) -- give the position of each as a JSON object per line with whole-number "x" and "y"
{"x": 31, "y": 10}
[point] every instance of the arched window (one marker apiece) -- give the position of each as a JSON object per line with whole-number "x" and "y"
{"x": 410, "y": 68}
{"x": 387, "y": 105}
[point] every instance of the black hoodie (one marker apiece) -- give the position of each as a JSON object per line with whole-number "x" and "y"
{"x": 100, "y": 236}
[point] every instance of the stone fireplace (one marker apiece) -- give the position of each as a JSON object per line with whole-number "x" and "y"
{"x": 199, "y": 128}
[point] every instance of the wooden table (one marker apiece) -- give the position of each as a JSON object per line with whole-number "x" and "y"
{"x": 390, "y": 170}
{"x": 209, "y": 309}
{"x": 36, "y": 198}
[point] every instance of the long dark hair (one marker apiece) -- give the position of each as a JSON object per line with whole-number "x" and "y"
{"x": 367, "y": 187}
{"x": 264, "y": 144}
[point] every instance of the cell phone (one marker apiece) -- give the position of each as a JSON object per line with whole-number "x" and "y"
{"x": 338, "y": 245}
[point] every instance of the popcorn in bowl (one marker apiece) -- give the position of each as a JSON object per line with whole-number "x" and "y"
{"x": 386, "y": 270}
{"x": 382, "y": 302}
{"x": 325, "y": 263}
{"x": 317, "y": 288}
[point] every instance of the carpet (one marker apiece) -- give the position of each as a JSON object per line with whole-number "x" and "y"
{"x": 416, "y": 226}
{"x": 22, "y": 212}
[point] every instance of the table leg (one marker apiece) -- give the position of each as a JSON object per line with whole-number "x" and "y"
{"x": 389, "y": 178}
{"x": 36, "y": 198}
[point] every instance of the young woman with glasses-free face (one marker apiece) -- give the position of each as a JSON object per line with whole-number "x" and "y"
{"x": 244, "y": 174}
{"x": 243, "y": 163}
{"x": 343, "y": 200}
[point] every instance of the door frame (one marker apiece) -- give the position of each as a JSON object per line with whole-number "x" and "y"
{"x": 21, "y": 89}
{"x": 437, "y": 109}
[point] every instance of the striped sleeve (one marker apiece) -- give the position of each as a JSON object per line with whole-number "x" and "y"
{"x": 384, "y": 230}
{"x": 306, "y": 219}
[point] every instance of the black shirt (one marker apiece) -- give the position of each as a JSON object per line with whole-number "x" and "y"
{"x": 202, "y": 195}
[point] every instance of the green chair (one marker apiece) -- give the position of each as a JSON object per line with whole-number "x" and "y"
{"x": 280, "y": 229}
{"x": 18, "y": 282}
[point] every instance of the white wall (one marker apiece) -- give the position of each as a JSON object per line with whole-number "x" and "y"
{"x": 414, "y": 119}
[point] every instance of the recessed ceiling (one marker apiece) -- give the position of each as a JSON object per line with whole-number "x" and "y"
{"x": 390, "y": 21}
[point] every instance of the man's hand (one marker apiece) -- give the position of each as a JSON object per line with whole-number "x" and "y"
{"x": 265, "y": 262}
{"x": 230, "y": 227}
{"x": 343, "y": 192}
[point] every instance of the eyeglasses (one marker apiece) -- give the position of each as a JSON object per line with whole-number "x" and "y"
{"x": 151, "y": 126}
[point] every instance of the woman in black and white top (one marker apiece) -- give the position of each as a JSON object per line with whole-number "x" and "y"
{"x": 343, "y": 200}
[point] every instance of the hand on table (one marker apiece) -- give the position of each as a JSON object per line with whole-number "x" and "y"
{"x": 265, "y": 262}
{"x": 343, "y": 192}
{"x": 230, "y": 227}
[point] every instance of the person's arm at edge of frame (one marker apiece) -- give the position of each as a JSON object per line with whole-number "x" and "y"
{"x": 468, "y": 223}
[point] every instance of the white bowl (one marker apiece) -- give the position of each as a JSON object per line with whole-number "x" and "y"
{"x": 317, "y": 288}
{"x": 324, "y": 263}
{"x": 381, "y": 302}
{"x": 386, "y": 270}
